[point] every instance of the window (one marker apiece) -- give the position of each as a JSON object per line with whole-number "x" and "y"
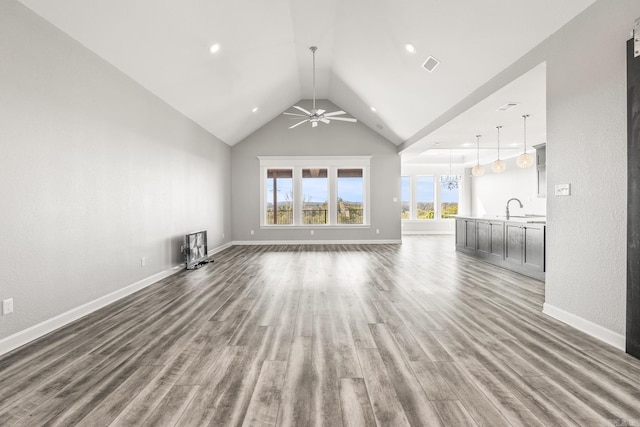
{"x": 315, "y": 196}
{"x": 350, "y": 196}
{"x": 405, "y": 196}
{"x": 449, "y": 200}
{"x": 425, "y": 197}
{"x": 314, "y": 191}
{"x": 430, "y": 197}
{"x": 279, "y": 196}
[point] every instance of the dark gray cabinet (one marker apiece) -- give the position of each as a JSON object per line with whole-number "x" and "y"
{"x": 489, "y": 239}
{"x": 515, "y": 245}
{"x": 466, "y": 235}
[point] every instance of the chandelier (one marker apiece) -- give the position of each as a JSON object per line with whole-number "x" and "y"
{"x": 449, "y": 182}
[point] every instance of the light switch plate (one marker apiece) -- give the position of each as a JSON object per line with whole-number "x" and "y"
{"x": 563, "y": 189}
{"x": 7, "y": 306}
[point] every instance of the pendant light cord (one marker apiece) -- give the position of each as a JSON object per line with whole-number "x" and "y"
{"x": 478, "y": 148}
{"x": 498, "y": 127}
{"x": 524, "y": 116}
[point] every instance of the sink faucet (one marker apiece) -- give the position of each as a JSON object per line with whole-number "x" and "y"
{"x": 509, "y": 201}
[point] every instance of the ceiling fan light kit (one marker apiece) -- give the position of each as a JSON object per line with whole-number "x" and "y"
{"x": 315, "y": 116}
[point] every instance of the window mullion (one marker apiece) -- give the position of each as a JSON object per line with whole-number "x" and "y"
{"x": 297, "y": 195}
{"x": 332, "y": 173}
{"x": 437, "y": 214}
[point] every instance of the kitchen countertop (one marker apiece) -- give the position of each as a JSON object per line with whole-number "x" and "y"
{"x": 527, "y": 219}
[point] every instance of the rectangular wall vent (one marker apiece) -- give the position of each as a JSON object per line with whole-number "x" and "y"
{"x": 508, "y": 106}
{"x": 430, "y": 64}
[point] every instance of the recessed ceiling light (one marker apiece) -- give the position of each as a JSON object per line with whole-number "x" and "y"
{"x": 214, "y": 48}
{"x": 255, "y": 109}
{"x": 410, "y": 48}
{"x": 514, "y": 144}
{"x": 467, "y": 144}
{"x": 373, "y": 109}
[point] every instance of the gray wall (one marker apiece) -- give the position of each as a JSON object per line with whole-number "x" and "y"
{"x": 335, "y": 139}
{"x": 95, "y": 173}
{"x": 587, "y": 132}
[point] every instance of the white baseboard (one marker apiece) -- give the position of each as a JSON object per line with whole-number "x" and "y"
{"x": 316, "y": 242}
{"x": 603, "y": 334}
{"x": 409, "y": 232}
{"x": 27, "y": 335}
{"x": 219, "y": 249}
{"x": 34, "y": 332}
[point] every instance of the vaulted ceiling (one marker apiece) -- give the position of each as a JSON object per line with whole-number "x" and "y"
{"x": 264, "y": 59}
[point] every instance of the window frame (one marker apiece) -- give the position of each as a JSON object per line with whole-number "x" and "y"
{"x": 332, "y": 164}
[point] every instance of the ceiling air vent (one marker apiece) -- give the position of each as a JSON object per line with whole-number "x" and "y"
{"x": 508, "y": 106}
{"x": 430, "y": 64}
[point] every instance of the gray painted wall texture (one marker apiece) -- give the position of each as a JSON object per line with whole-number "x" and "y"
{"x": 335, "y": 139}
{"x": 587, "y": 132}
{"x": 95, "y": 173}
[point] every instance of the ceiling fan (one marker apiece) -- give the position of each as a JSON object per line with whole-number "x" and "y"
{"x": 314, "y": 116}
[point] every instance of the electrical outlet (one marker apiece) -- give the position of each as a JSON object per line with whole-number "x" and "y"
{"x": 312, "y": 232}
{"x": 7, "y": 306}
{"x": 377, "y": 231}
{"x": 143, "y": 261}
{"x": 223, "y": 235}
{"x": 251, "y": 232}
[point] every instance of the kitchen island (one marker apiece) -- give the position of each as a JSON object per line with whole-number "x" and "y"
{"x": 517, "y": 243}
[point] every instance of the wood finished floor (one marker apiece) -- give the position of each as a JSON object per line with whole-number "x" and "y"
{"x": 389, "y": 335}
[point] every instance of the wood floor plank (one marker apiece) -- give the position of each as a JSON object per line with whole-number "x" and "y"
{"x": 297, "y": 388}
{"x": 171, "y": 408}
{"x": 265, "y": 401}
{"x": 387, "y": 408}
{"x": 386, "y": 334}
{"x": 417, "y": 407}
{"x": 453, "y": 413}
{"x": 355, "y": 404}
{"x": 471, "y": 397}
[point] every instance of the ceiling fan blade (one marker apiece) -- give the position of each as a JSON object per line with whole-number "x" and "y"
{"x": 323, "y": 120}
{"x": 335, "y": 113}
{"x": 295, "y": 114}
{"x": 314, "y": 124}
{"x": 308, "y": 113}
{"x": 298, "y": 124}
{"x": 344, "y": 119}
{"x": 320, "y": 112}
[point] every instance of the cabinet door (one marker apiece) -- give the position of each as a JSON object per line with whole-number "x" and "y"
{"x": 483, "y": 235}
{"x": 534, "y": 248}
{"x": 470, "y": 229}
{"x": 513, "y": 243}
{"x": 460, "y": 232}
{"x": 497, "y": 240}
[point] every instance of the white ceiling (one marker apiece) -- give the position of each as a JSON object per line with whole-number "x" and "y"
{"x": 458, "y": 135}
{"x": 264, "y": 60}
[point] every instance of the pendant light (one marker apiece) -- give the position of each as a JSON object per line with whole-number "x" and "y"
{"x": 525, "y": 159}
{"x": 449, "y": 182}
{"x": 498, "y": 166}
{"x": 477, "y": 169}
